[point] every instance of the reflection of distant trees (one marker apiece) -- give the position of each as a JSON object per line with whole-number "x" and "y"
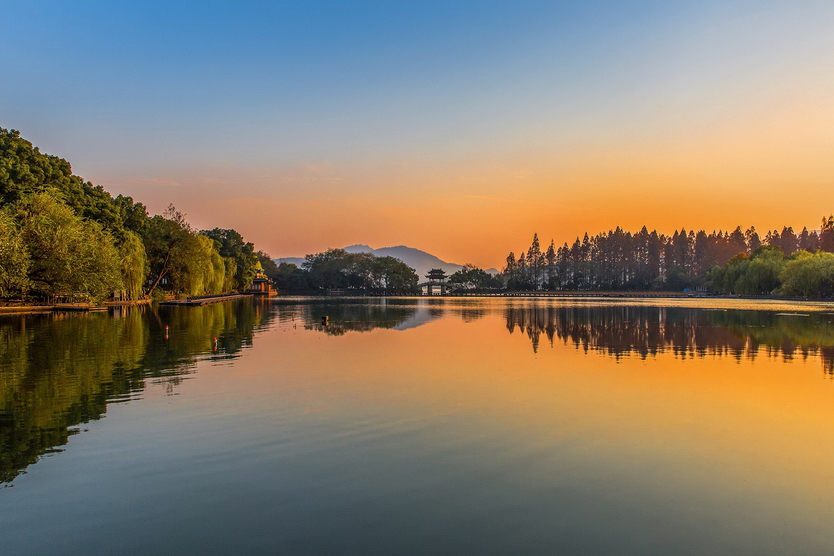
{"x": 469, "y": 314}
{"x": 621, "y": 331}
{"x": 59, "y": 370}
{"x": 356, "y": 317}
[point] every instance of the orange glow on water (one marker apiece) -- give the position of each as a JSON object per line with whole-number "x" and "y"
{"x": 698, "y": 422}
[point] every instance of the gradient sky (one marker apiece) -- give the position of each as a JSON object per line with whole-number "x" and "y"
{"x": 459, "y": 128}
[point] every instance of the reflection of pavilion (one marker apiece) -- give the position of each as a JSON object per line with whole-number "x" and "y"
{"x": 436, "y": 284}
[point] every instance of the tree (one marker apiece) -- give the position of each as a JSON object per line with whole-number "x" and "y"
{"x": 809, "y": 275}
{"x": 133, "y": 264}
{"x": 788, "y": 240}
{"x": 205, "y": 270}
{"x": 14, "y": 258}
{"x": 24, "y": 170}
{"x": 392, "y": 276}
{"x": 511, "y": 271}
{"x": 166, "y": 239}
{"x": 70, "y": 256}
{"x": 761, "y": 274}
{"x": 239, "y": 254}
{"x": 291, "y": 278}
{"x": 162, "y": 251}
{"x": 268, "y": 265}
{"x": 534, "y": 261}
{"x": 550, "y": 260}
{"x": 826, "y": 237}
{"x": 472, "y": 278}
{"x": 338, "y": 269}
{"x": 752, "y": 239}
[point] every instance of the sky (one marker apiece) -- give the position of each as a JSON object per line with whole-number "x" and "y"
{"x": 460, "y": 128}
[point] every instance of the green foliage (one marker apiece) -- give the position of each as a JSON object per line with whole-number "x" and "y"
{"x": 472, "y": 278}
{"x": 62, "y": 235}
{"x": 183, "y": 261}
{"x": 743, "y": 275}
{"x": 24, "y": 170}
{"x": 809, "y": 275}
{"x": 620, "y": 260}
{"x": 363, "y": 272}
{"x": 70, "y": 256}
{"x": 205, "y": 269}
{"x": 391, "y": 275}
{"x": 769, "y": 271}
{"x": 166, "y": 239}
{"x": 268, "y": 265}
{"x": 133, "y": 264}
{"x": 14, "y": 258}
{"x": 290, "y": 278}
{"x": 239, "y": 254}
{"x": 761, "y": 275}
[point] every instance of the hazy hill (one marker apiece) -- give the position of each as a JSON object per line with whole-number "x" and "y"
{"x": 419, "y": 260}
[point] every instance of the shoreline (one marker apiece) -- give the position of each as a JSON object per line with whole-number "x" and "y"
{"x": 568, "y": 295}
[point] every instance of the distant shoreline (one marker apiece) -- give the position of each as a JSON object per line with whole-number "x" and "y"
{"x": 570, "y": 295}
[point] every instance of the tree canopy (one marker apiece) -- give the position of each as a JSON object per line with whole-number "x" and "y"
{"x": 474, "y": 279}
{"x": 62, "y": 235}
{"x": 360, "y": 272}
{"x": 733, "y": 261}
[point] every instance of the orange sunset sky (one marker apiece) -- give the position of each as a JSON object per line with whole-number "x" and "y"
{"x": 460, "y": 130}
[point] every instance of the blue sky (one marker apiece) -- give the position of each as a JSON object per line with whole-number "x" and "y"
{"x": 341, "y": 111}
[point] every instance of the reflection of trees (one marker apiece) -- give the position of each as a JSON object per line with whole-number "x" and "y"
{"x": 621, "y": 331}
{"x": 469, "y": 314}
{"x": 356, "y": 316}
{"x": 59, "y": 370}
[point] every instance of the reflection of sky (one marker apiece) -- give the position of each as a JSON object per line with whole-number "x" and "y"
{"x": 379, "y": 121}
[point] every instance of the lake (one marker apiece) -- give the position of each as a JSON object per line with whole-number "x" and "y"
{"x": 420, "y": 426}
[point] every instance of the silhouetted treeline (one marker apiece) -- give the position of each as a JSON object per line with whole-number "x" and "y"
{"x": 647, "y": 260}
{"x": 349, "y": 273}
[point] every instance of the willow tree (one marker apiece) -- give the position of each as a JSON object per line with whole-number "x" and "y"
{"x": 69, "y": 255}
{"x": 169, "y": 241}
{"x": 206, "y": 269}
{"x": 14, "y": 258}
{"x": 133, "y": 264}
{"x": 809, "y": 275}
{"x": 241, "y": 259}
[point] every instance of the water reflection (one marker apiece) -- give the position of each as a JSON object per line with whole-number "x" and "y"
{"x": 617, "y": 330}
{"x": 364, "y": 315}
{"x": 621, "y": 331}
{"x": 60, "y": 370}
{"x": 358, "y": 316}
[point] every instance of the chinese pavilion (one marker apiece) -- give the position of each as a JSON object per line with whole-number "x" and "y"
{"x": 436, "y": 284}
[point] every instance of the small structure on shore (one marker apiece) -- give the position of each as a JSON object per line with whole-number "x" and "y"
{"x": 261, "y": 285}
{"x": 436, "y": 284}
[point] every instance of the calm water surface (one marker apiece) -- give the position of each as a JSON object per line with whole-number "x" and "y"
{"x": 456, "y": 426}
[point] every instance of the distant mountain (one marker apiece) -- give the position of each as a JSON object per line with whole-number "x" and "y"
{"x": 419, "y": 260}
{"x": 297, "y": 261}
